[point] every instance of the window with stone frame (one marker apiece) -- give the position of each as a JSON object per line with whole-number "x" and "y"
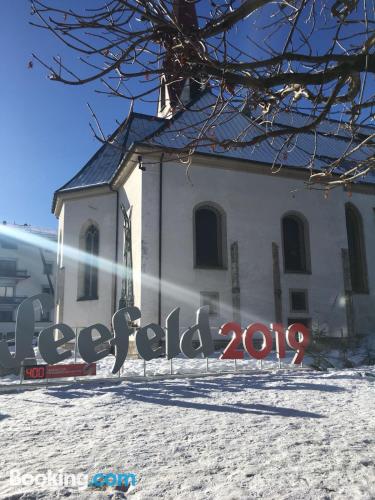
{"x": 89, "y": 274}
{"x": 356, "y": 249}
{"x": 295, "y": 244}
{"x": 209, "y": 237}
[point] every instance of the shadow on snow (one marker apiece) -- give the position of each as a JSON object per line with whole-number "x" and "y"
{"x": 181, "y": 393}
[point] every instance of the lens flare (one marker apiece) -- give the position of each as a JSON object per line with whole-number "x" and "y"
{"x": 171, "y": 290}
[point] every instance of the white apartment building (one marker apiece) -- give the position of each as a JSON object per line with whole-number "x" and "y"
{"x": 25, "y": 270}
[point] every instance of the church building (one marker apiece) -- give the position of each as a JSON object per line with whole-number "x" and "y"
{"x": 181, "y": 223}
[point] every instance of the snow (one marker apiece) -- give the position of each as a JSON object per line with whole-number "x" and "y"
{"x": 275, "y": 435}
{"x": 179, "y": 365}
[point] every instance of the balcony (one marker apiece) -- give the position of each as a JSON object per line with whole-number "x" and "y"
{"x": 11, "y": 301}
{"x": 17, "y": 274}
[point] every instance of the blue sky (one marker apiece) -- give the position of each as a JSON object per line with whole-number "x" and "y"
{"x": 44, "y": 126}
{"x": 45, "y": 136}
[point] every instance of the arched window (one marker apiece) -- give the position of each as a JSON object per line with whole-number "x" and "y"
{"x": 296, "y": 244}
{"x": 356, "y": 247}
{"x": 209, "y": 237}
{"x": 89, "y": 271}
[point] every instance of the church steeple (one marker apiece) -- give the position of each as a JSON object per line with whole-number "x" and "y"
{"x": 174, "y": 89}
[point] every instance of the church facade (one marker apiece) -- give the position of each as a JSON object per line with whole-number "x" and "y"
{"x": 213, "y": 228}
{"x": 164, "y": 217}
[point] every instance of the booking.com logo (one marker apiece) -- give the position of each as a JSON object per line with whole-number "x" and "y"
{"x": 112, "y": 480}
{"x": 49, "y": 479}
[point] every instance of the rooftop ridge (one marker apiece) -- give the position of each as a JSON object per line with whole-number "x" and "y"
{"x": 31, "y": 228}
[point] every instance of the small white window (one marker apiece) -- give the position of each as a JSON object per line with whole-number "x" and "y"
{"x": 6, "y": 291}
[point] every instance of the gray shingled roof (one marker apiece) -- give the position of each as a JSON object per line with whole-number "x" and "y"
{"x": 180, "y": 133}
{"x": 183, "y": 130}
{"x": 101, "y": 168}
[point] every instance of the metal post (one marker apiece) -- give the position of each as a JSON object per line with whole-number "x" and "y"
{"x": 235, "y": 365}
{"x": 261, "y": 364}
{"x": 207, "y": 365}
{"x": 279, "y": 362}
{"x": 21, "y": 372}
{"x": 75, "y": 349}
{"x": 75, "y": 346}
{"x": 144, "y": 367}
{"x": 171, "y": 367}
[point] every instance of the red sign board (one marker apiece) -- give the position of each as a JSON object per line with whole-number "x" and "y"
{"x": 59, "y": 371}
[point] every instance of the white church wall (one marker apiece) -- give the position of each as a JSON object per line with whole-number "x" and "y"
{"x": 182, "y": 283}
{"x": 325, "y": 284}
{"x": 60, "y": 271}
{"x": 254, "y": 205}
{"x": 364, "y": 304}
{"x": 99, "y": 209}
{"x": 130, "y": 195}
{"x": 150, "y": 243}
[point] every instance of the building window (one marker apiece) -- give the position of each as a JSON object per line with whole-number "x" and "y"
{"x": 210, "y": 299}
{"x": 89, "y": 271}
{"x": 8, "y": 267}
{"x": 47, "y": 268}
{"x": 6, "y": 316}
{"x": 6, "y": 291}
{"x": 10, "y": 338}
{"x": 304, "y": 321}
{"x": 8, "y": 243}
{"x": 356, "y": 249}
{"x": 295, "y": 244}
{"x": 45, "y": 316}
{"x": 298, "y": 301}
{"x": 209, "y": 237}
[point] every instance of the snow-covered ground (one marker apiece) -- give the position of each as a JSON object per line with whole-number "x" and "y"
{"x": 179, "y": 365}
{"x": 273, "y": 435}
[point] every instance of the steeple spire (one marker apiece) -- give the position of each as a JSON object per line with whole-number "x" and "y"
{"x": 174, "y": 89}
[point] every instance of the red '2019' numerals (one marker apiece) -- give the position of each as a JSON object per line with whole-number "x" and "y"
{"x": 248, "y": 336}
{"x": 231, "y": 351}
{"x": 297, "y": 337}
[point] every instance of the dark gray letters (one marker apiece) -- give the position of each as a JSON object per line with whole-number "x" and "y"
{"x": 172, "y": 339}
{"x": 120, "y": 323}
{"x": 47, "y": 345}
{"x": 202, "y": 328}
{"x": 87, "y": 345}
{"x": 25, "y": 328}
{"x": 144, "y": 343}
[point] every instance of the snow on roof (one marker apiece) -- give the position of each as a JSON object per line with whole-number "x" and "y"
{"x": 39, "y": 231}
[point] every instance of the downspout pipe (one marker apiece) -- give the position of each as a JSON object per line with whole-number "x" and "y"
{"x": 160, "y": 232}
{"x": 114, "y": 304}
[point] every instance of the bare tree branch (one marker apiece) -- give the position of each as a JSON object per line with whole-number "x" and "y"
{"x": 267, "y": 59}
